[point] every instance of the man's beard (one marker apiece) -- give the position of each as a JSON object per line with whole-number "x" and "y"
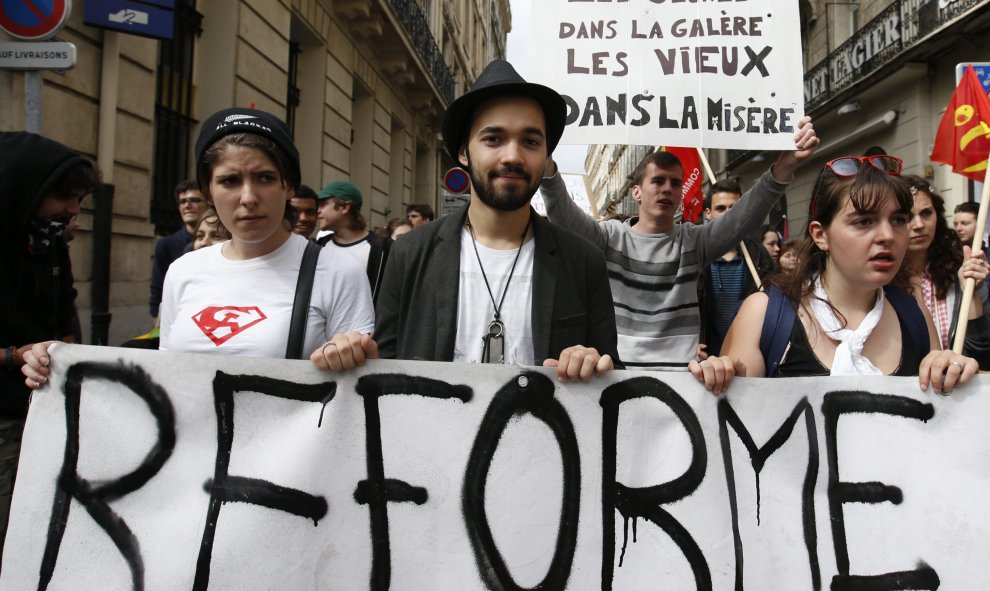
{"x": 510, "y": 198}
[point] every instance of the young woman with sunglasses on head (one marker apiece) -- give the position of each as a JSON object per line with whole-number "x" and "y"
{"x": 236, "y": 297}
{"x": 856, "y": 241}
{"x": 938, "y": 265}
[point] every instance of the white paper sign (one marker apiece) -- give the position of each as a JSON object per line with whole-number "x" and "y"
{"x": 577, "y": 188}
{"x": 694, "y": 73}
{"x": 151, "y": 470}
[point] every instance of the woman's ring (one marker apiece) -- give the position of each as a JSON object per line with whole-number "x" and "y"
{"x": 956, "y": 363}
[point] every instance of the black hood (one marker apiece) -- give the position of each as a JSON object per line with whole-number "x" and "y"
{"x": 29, "y": 167}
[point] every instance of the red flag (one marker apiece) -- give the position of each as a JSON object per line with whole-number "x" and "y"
{"x": 692, "y": 201}
{"x": 963, "y": 138}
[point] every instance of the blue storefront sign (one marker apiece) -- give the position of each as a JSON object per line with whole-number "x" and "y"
{"x": 169, "y": 4}
{"x": 151, "y": 18}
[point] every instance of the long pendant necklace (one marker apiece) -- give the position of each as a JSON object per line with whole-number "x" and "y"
{"x": 493, "y": 350}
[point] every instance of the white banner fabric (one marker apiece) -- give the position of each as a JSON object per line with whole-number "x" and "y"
{"x": 149, "y": 470}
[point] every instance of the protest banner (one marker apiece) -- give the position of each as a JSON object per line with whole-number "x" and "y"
{"x": 148, "y": 470}
{"x": 725, "y": 74}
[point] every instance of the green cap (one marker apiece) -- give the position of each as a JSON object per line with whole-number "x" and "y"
{"x": 344, "y": 191}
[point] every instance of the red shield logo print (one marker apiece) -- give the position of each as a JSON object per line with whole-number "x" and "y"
{"x": 220, "y": 323}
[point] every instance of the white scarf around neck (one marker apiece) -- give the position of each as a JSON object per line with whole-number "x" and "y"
{"x": 848, "y": 360}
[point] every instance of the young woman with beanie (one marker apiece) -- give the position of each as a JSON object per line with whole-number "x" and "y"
{"x": 236, "y": 297}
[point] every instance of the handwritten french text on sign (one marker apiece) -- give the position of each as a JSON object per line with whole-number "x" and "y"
{"x": 166, "y": 471}
{"x": 714, "y": 74}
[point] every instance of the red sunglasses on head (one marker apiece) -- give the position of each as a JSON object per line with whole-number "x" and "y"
{"x": 848, "y": 166}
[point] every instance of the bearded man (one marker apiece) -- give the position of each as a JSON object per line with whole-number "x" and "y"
{"x": 494, "y": 282}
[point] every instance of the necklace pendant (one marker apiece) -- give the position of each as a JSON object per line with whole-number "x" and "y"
{"x": 493, "y": 351}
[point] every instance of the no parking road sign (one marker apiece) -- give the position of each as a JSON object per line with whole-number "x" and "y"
{"x": 33, "y": 20}
{"x": 457, "y": 180}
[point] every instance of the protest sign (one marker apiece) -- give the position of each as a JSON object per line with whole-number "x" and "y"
{"x": 713, "y": 74}
{"x": 151, "y": 470}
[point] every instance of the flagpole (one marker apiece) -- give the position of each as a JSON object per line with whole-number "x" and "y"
{"x": 742, "y": 244}
{"x": 970, "y": 285}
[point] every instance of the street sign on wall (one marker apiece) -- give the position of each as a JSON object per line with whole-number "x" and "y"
{"x": 457, "y": 180}
{"x": 33, "y": 20}
{"x": 134, "y": 18}
{"x": 37, "y": 56}
{"x": 982, "y": 72}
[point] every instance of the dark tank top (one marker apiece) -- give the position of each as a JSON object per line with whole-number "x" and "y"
{"x": 801, "y": 361}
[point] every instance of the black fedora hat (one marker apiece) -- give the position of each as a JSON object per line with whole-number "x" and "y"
{"x": 500, "y": 78}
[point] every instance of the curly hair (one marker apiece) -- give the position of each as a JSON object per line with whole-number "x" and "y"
{"x": 945, "y": 254}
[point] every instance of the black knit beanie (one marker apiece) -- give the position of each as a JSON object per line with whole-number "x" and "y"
{"x": 241, "y": 120}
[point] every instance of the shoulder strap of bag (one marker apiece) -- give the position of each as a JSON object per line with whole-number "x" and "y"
{"x": 909, "y": 312}
{"x": 777, "y": 326}
{"x": 300, "y": 305}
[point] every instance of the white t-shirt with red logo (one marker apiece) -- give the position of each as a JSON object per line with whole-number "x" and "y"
{"x": 211, "y": 304}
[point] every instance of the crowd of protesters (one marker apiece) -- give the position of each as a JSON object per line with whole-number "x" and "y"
{"x": 872, "y": 288}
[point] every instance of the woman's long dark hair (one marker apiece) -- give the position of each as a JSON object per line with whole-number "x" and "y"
{"x": 945, "y": 254}
{"x": 867, "y": 191}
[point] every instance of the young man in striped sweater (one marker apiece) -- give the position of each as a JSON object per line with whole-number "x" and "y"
{"x": 653, "y": 265}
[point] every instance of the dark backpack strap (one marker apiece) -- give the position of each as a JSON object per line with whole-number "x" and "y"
{"x": 909, "y": 312}
{"x": 777, "y": 326}
{"x": 300, "y": 305}
{"x": 377, "y": 257}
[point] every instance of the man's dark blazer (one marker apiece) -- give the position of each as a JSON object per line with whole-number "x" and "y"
{"x": 416, "y": 316}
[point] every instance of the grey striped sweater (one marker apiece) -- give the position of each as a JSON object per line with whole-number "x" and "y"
{"x": 654, "y": 276}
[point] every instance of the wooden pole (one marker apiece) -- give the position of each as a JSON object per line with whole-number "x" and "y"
{"x": 970, "y": 285}
{"x": 742, "y": 245}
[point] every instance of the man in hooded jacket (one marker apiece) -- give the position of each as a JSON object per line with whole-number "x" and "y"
{"x": 42, "y": 184}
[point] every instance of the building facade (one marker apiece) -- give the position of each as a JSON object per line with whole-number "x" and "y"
{"x": 878, "y": 75}
{"x": 363, "y": 85}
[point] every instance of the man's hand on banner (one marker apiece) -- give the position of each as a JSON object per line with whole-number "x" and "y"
{"x": 716, "y": 373}
{"x": 579, "y": 362}
{"x": 805, "y": 144}
{"x": 345, "y": 351}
